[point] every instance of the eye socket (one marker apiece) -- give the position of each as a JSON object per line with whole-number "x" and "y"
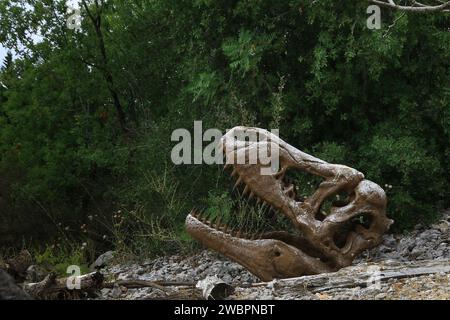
{"x": 277, "y": 253}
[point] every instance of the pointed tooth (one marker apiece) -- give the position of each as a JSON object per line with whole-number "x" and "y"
{"x": 280, "y": 175}
{"x": 210, "y": 219}
{"x": 217, "y": 222}
{"x": 289, "y": 189}
{"x": 238, "y": 182}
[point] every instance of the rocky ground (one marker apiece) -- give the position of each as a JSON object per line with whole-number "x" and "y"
{"x": 422, "y": 244}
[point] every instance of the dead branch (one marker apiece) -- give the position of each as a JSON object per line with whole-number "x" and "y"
{"x": 358, "y": 276}
{"x": 442, "y": 6}
{"x": 51, "y": 285}
{"x": 135, "y": 284}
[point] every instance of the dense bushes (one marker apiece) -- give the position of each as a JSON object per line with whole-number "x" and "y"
{"x": 377, "y": 100}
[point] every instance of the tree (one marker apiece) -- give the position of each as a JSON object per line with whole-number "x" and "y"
{"x": 95, "y": 14}
{"x": 415, "y": 6}
{"x": 377, "y": 100}
{"x": 7, "y": 61}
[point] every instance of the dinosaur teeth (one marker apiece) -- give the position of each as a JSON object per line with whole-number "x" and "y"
{"x": 289, "y": 189}
{"x": 203, "y": 216}
{"x": 280, "y": 175}
{"x": 238, "y": 182}
{"x": 210, "y": 219}
{"x": 217, "y": 222}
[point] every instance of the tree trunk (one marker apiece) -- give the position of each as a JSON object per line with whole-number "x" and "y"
{"x": 96, "y": 20}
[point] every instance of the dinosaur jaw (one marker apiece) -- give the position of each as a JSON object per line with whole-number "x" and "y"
{"x": 324, "y": 241}
{"x": 267, "y": 257}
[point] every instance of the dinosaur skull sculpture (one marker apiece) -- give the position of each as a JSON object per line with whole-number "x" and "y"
{"x": 324, "y": 242}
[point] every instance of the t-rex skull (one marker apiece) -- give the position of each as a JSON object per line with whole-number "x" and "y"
{"x": 324, "y": 242}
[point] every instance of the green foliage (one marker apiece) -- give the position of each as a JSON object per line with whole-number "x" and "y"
{"x": 58, "y": 259}
{"x": 406, "y": 170}
{"x": 242, "y": 214}
{"x": 376, "y": 100}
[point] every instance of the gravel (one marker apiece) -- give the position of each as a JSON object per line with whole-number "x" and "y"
{"x": 432, "y": 243}
{"x": 421, "y": 244}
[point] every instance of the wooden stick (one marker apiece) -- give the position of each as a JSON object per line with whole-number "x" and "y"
{"x": 51, "y": 284}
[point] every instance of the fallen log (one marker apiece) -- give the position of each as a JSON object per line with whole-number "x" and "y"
{"x": 75, "y": 284}
{"x": 357, "y": 276}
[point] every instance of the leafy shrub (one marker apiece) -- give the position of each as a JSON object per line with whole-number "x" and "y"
{"x": 376, "y": 100}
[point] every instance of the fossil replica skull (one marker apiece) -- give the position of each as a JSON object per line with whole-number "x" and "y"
{"x": 325, "y": 242}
